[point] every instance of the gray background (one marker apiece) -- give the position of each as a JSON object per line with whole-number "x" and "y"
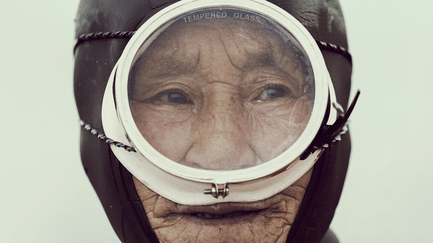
{"x": 46, "y": 197}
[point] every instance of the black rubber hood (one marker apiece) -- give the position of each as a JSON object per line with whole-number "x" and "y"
{"x": 94, "y": 61}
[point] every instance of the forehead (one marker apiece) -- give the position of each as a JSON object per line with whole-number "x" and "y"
{"x": 245, "y": 43}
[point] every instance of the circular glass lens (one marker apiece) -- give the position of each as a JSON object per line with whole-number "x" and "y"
{"x": 221, "y": 89}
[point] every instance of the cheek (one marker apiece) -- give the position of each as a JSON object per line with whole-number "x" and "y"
{"x": 166, "y": 129}
{"x": 268, "y": 128}
{"x": 275, "y": 128}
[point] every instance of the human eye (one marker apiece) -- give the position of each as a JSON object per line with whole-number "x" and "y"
{"x": 171, "y": 97}
{"x": 273, "y": 92}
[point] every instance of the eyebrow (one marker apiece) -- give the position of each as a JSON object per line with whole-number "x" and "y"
{"x": 267, "y": 59}
{"x": 173, "y": 66}
{"x": 257, "y": 60}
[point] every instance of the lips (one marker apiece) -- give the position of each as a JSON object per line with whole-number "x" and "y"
{"x": 219, "y": 216}
{"x": 224, "y": 211}
{"x": 208, "y": 216}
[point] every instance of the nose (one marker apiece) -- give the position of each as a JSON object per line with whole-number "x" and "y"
{"x": 221, "y": 137}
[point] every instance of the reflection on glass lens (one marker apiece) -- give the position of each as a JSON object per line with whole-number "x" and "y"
{"x": 221, "y": 89}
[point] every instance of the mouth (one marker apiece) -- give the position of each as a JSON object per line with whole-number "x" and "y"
{"x": 268, "y": 220}
{"x": 263, "y": 221}
{"x": 226, "y": 215}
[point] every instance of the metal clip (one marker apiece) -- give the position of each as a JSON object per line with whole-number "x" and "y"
{"x": 215, "y": 192}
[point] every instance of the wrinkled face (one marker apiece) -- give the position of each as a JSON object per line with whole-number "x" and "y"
{"x": 269, "y": 220}
{"x": 221, "y": 95}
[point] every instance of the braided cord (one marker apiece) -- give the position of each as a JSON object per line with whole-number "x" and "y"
{"x": 128, "y": 34}
{"x": 128, "y": 148}
{"x": 104, "y": 35}
{"x": 335, "y": 48}
{"x": 104, "y": 138}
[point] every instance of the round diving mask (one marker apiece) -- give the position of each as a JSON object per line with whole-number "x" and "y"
{"x": 219, "y": 101}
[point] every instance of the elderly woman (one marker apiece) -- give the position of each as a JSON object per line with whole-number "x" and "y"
{"x": 218, "y": 121}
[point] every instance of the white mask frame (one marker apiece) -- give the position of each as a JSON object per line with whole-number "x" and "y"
{"x": 191, "y": 186}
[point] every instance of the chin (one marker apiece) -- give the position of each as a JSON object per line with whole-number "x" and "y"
{"x": 268, "y": 220}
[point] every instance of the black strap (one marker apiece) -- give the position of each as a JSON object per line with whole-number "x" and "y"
{"x": 331, "y": 133}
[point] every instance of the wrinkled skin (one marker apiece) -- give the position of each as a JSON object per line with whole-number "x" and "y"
{"x": 94, "y": 61}
{"x": 221, "y": 95}
{"x": 264, "y": 221}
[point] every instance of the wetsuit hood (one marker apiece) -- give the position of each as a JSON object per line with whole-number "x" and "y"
{"x": 94, "y": 61}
